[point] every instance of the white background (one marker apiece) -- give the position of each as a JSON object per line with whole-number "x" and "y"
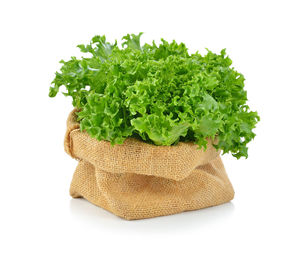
{"x": 38, "y": 215}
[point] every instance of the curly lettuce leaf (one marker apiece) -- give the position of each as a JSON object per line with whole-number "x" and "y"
{"x": 159, "y": 93}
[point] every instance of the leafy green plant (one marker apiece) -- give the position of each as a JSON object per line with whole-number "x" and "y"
{"x": 158, "y": 93}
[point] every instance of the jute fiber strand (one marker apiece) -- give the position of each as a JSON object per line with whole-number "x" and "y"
{"x": 137, "y": 180}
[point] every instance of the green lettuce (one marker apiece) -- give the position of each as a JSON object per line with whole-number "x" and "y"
{"x": 160, "y": 94}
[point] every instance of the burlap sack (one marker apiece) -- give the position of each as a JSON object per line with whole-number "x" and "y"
{"x": 137, "y": 180}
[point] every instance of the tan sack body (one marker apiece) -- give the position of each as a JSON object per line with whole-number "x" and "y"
{"x": 137, "y": 180}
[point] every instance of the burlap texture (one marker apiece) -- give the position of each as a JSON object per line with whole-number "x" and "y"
{"x": 137, "y": 180}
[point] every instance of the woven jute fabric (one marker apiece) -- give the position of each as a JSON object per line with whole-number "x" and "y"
{"x": 137, "y": 180}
